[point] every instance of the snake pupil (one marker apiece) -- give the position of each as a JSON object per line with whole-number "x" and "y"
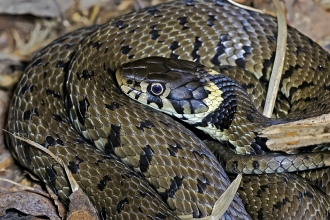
{"x": 157, "y": 88}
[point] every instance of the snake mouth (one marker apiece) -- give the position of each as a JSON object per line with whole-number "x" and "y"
{"x": 132, "y": 88}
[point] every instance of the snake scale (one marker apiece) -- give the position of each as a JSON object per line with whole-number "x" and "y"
{"x": 134, "y": 162}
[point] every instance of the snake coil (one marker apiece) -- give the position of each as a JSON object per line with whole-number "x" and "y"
{"x": 136, "y": 163}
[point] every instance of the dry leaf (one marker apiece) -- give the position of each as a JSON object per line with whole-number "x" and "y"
{"x": 28, "y": 203}
{"x": 60, "y": 206}
{"x": 36, "y": 189}
{"x": 81, "y": 207}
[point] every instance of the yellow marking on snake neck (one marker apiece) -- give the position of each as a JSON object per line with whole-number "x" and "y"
{"x": 213, "y": 101}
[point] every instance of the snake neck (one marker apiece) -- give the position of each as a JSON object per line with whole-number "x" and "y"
{"x": 235, "y": 120}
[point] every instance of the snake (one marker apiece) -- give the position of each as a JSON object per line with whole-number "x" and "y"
{"x": 134, "y": 162}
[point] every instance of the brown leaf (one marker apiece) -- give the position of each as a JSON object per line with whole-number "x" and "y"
{"x": 81, "y": 207}
{"x": 60, "y": 206}
{"x": 28, "y": 203}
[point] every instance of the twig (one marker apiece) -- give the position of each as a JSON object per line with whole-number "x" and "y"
{"x": 74, "y": 185}
{"x": 275, "y": 78}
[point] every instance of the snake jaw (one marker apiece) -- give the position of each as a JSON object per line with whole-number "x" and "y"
{"x": 124, "y": 83}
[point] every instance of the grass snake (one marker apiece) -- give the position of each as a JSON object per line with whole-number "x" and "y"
{"x": 135, "y": 162}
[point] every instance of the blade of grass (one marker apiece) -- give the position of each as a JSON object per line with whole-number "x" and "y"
{"x": 222, "y": 204}
{"x": 276, "y": 74}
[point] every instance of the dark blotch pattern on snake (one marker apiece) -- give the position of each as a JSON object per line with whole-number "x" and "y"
{"x": 136, "y": 163}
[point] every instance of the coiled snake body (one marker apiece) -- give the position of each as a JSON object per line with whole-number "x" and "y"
{"x": 147, "y": 165}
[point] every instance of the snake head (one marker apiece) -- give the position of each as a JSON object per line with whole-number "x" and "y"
{"x": 176, "y": 87}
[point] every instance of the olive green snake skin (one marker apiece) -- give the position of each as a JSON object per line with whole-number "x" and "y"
{"x": 147, "y": 165}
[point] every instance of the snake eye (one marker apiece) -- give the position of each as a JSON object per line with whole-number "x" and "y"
{"x": 157, "y": 88}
